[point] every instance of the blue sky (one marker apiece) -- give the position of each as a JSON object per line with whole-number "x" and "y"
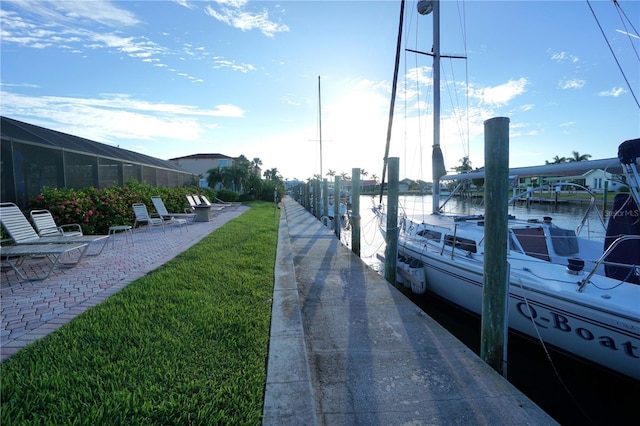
{"x": 174, "y": 78}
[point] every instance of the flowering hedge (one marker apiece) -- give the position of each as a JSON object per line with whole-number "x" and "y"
{"x": 98, "y": 209}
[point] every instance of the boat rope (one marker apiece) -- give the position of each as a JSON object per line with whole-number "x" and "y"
{"x": 613, "y": 53}
{"x": 393, "y": 99}
{"x": 548, "y": 355}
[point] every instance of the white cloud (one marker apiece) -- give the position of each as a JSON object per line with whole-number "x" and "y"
{"x": 572, "y": 83}
{"x": 561, "y": 57}
{"x": 615, "y": 92}
{"x": 501, "y": 94}
{"x": 94, "y": 118}
{"x": 224, "y": 63}
{"x": 65, "y": 12}
{"x": 232, "y": 13}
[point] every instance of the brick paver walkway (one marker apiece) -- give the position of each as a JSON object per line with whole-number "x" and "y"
{"x": 31, "y": 310}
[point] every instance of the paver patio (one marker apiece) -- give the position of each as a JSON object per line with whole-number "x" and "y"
{"x": 32, "y": 309}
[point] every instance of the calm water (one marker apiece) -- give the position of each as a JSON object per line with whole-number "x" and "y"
{"x": 569, "y": 390}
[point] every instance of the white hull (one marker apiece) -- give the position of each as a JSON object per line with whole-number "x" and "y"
{"x": 600, "y": 324}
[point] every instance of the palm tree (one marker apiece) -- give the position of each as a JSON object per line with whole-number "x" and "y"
{"x": 344, "y": 176}
{"x": 577, "y": 157}
{"x": 215, "y": 176}
{"x": 556, "y": 160}
{"x": 465, "y": 167}
{"x": 272, "y": 175}
{"x": 331, "y": 173}
{"x": 255, "y": 164}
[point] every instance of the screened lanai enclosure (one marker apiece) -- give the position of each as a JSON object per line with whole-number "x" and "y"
{"x": 33, "y": 157}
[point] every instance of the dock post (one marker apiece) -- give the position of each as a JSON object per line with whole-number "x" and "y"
{"x": 605, "y": 196}
{"x": 355, "y": 211}
{"x": 496, "y": 280}
{"x": 316, "y": 198}
{"x": 336, "y": 206}
{"x": 391, "y": 250}
{"x": 307, "y": 202}
{"x": 325, "y": 197}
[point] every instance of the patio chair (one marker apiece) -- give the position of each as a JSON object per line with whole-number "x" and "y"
{"x": 204, "y": 201}
{"x": 217, "y": 205}
{"x": 21, "y": 232}
{"x": 228, "y": 203}
{"x": 143, "y": 216}
{"x": 46, "y": 226}
{"x": 14, "y": 256}
{"x": 192, "y": 204}
{"x": 162, "y": 211}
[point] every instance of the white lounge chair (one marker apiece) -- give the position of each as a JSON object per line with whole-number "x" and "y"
{"x": 14, "y": 256}
{"x": 204, "y": 201}
{"x": 46, "y": 226}
{"x": 143, "y": 216}
{"x": 192, "y": 203}
{"x": 162, "y": 211}
{"x": 21, "y": 231}
{"x": 228, "y": 203}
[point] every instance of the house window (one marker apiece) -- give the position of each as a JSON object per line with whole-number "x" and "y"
{"x": 223, "y": 163}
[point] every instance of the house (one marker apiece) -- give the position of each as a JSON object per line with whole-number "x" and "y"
{"x": 596, "y": 179}
{"x": 405, "y": 184}
{"x": 200, "y": 164}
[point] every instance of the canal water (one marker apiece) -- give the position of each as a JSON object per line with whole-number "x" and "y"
{"x": 569, "y": 390}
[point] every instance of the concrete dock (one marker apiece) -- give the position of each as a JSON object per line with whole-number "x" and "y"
{"x": 348, "y": 348}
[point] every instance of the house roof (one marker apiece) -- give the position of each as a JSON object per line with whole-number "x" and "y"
{"x": 202, "y": 157}
{"x": 19, "y": 131}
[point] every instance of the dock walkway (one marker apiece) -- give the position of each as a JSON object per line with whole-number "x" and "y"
{"x": 348, "y": 348}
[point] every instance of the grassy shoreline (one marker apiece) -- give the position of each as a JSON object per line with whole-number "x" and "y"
{"x": 186, "y": 344}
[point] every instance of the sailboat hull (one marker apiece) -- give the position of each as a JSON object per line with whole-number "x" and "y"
{"x": 599, "y": 324}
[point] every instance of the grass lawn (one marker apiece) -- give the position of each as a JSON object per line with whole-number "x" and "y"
{"x": 186, "y": 344}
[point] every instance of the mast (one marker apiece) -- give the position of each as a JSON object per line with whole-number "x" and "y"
{"x": 320, "y": 124}
{"x": 437, "y": 161}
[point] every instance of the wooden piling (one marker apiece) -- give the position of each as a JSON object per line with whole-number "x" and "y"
{"x": 336, "y": 206}
{"x": 605, "y": 197}
{"x": 355, "y": 211}
{"x": 307, "y": 201}
{"x": 496, "y": 281}
{"x": 325, "y": 197}
{"x": 316, "y": 198}
{"x": 391, "y": 250}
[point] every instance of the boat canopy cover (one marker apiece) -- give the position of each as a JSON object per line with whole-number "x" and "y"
{"x": 564, "y": 241}
{"x": 628, "y": 151}
{"x": 624, "y": 220}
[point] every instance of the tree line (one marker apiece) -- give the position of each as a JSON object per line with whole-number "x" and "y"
{"x": 243, "y": 176}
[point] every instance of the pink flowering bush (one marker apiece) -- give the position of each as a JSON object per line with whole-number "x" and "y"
{"x": 98, "y": 209}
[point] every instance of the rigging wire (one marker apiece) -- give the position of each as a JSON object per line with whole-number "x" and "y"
{"x": 613, "y": 53}
{"x": 548, "y": 355}
{"x": 629, "y": 34}
{"x": 393, "y": 98}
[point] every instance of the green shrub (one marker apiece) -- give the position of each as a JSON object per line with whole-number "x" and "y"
{"x": 228, "y": 196}
{"x": 268, "y": 191}
{"x": 98, "y": 209}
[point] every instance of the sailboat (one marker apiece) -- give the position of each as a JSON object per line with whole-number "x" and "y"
{"x": 565, "y": 291}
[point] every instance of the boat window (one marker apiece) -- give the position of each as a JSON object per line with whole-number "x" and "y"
{"x": 513, "y": 244}
{"x": 430, "y": 234}
{"x": 461, "y": 243}
{"x": 564, "y": 241}
{"x": 533, "y": 242}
